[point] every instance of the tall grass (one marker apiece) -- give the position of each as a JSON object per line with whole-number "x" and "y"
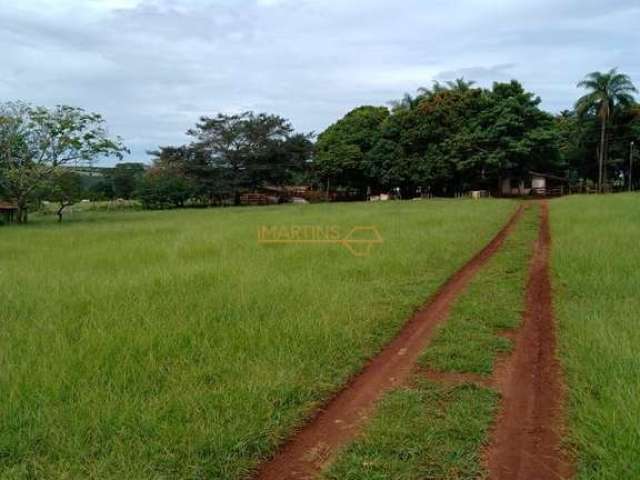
{"x": 172, "y": 345}
{"x": 596, "y": 264}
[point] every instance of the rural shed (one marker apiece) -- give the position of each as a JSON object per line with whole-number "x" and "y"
{"x": 8, "y": 212}
{"x": 534, "y": 183}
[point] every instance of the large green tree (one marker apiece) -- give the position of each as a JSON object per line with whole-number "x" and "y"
{"x": 448, "y": 139}
{"x": 36, "y": 142}
{"x": 608, "y": 93}
{"x": 510, "y": 135}
{"x": 230, "y": 154}
{"x": 341, "y": 152}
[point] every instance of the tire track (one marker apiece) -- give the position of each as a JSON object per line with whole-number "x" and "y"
{"x": 526, "y": 439}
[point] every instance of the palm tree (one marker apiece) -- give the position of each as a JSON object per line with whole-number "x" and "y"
{"x": 607, "y": 92}
{"x": 460, "y": 85}
{"x": 407, "y": 102}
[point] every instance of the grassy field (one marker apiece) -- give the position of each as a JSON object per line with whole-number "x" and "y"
{"x": 434, "y": 430}
{"x": 596, "y": 263}
{"x": 172, "y": 345}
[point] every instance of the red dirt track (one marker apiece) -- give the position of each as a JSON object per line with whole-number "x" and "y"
{"x": 310, "y": 449}
{"x": 526, "y": 440}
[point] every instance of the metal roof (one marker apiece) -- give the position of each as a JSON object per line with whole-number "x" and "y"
{"x": 549, "y": 176}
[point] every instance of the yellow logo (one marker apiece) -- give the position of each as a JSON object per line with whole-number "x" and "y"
{"x": 359, "y": 240}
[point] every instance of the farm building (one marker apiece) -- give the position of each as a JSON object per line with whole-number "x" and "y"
{"x": 8, "y": 212}
{"x": 534, "y": 183}
{"x": 269, "y": 194}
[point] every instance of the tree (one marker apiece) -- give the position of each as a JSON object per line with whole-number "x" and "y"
{"x": 608, "y": 92}
{"x": 421, "y": 147}
{"x": 454, "y": 138}
{"x": 230, "y": 154}
{"x": 248, "y": 150}
{"x": 161, "y": 189}
{"x": 208, "y": 182}
{"x": 511, "y": 135}
{"x": 100, "y": 189}
{"x": 35, "y": 142}
{"x": 341, "y": 150}
{"x": 460, "y": 84}
{"x": 126, "y": 179}
{"x": 65, "y": 188}
{"x": 407, "y": 102}
{"x": 577, "y": 142}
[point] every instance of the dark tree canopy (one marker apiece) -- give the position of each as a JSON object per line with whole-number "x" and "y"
{"x": 447, "y": 139}
{"x": 342, "y": 150}
{"x": 231, "y": 154}
{"x": 126, "y": 179}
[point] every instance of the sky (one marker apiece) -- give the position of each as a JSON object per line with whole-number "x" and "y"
{"x": 153, "y": 67}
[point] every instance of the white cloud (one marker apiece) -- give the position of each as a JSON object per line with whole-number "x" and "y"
{"x": 153, "y": 66}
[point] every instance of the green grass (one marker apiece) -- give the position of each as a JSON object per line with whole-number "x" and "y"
{"x": 437, "y": 431}
{"x": 171, "y": 345}
{"x": 469, "y": 342}
{"x": 428, "y": 431}
{"x": 596, "y": 265}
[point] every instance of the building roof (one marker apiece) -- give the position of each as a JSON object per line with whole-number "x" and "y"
{"x": 549, "y": 176}
{"x": 286, "y": 188}
{"x": 7, "y": 206}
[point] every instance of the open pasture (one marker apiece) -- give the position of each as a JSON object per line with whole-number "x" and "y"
{"x": 172, "y": 345}
{"x": 596, "y": 262}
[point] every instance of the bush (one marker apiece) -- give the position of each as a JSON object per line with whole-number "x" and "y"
{"x": 161, "y": 190}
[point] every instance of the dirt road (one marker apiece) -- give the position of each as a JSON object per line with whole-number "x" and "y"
{"x": 526, "y": 439}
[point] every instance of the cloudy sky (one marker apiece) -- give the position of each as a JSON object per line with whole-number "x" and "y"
{"x": 152, "y": 67}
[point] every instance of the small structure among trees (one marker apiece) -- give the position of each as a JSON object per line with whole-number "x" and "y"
{"x": 8, "y": 212}
{"x": 535, "y": 184}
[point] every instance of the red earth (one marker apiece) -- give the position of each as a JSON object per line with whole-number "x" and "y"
{"x": 526, "y": 439}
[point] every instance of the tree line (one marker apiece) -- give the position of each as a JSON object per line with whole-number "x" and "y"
{"x": 455, "y": 136}
{"x": 446, "y": 139}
